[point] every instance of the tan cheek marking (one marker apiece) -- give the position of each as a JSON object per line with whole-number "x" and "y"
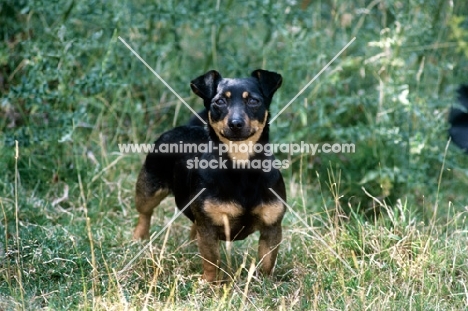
{"x": 217, "y": 126}
{"x": 269, "y": 213}
{"x": 228, "y": 94}
{"x": 245, "y": 94}
{"x": 221, "y": 212}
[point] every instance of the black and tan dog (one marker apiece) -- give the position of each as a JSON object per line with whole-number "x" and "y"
{"x": 237, "y": 200}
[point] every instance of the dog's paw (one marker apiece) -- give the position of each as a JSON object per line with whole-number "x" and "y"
{"x": 140, "y": 234}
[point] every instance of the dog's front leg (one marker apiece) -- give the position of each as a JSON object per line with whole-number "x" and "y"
{"x": 268, "y": 246}
{"x": 208, "y": 244}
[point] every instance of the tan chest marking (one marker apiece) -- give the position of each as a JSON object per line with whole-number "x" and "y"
{"x": 220, "y": 212}
{"x": 269, "y": 213}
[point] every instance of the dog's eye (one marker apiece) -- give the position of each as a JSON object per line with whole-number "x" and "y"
{"x": 220, "y": 102}
{"x": 253, "y": 102}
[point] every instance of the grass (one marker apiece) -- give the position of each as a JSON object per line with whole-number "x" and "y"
{"x": 382, "y": 228}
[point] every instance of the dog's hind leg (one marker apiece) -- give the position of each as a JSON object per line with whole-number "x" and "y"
{"x": 149, "y": 193}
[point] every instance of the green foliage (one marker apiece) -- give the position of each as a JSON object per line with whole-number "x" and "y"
{"x": 70, "y": 92}
{"x": 459, "y": 33}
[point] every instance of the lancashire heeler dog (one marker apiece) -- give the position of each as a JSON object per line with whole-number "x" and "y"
{"x": 236, "y": 201}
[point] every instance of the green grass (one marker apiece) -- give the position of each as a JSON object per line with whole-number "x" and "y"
{"x": 382, "y": 228}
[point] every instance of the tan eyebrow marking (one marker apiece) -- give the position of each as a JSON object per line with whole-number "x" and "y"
{"x": 228, "y": 94}
{"x": 245, "y": 94}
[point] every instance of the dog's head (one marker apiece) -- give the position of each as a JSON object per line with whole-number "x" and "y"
{"x": 237, "y": 108}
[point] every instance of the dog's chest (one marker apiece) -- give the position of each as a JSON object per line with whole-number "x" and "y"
{"x": 222, "y": 213}
{"x": 240, "y": 202}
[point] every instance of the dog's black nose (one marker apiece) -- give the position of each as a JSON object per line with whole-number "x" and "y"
{"x": 236, "y": 124}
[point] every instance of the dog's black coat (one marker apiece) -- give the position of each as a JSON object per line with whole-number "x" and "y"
{"x": 247, "y": 187}
{"x": 458, "y": 119}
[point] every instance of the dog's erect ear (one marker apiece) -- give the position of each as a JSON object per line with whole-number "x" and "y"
{"x": 205, "y": 86}
{"x": 269, "y": 81}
